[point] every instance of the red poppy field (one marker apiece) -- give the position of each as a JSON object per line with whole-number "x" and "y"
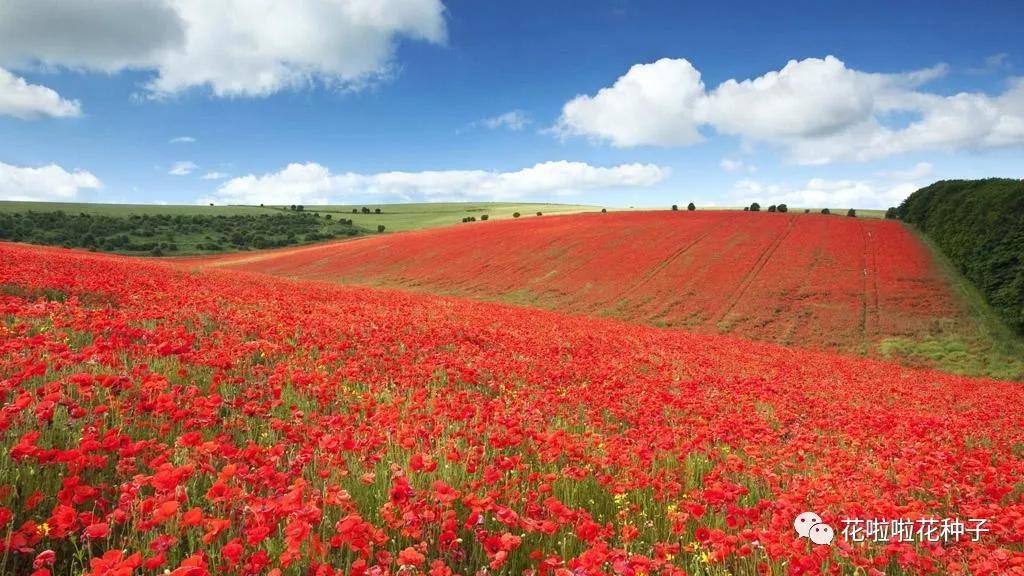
{"x": 825, "y": 282}
{"x": 158, "y": 420}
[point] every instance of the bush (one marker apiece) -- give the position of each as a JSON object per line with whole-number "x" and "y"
{"x": 355, "y": 211}
{"x": 675, "y": 207}
{"x": 771, "y": 208}
{"x": 691, "y": 207}
{"x": 807, "y": 210}
{"x": 979, "y": 225}
{"x": 782, "y": 208}
{"x": 755, "y": 207}
{"x": 890, "y": 214}
{"x": 376, "y": 210}
{"x": 826, "y": 211}
{"x": 515, "y": 214}
{"x": 746, "y": 208}
{"x": 540, "y": 213}
{"x": 604, "y": 210}
{"x": 327, "y": 216}
{"x": 380, "y": 228}
{"x": 483, "y": 217}
{"x": 851, "y": 213}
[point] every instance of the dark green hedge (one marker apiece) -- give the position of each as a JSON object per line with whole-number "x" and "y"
{"x": 979, "y": 224}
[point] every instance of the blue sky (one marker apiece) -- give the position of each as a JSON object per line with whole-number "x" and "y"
{"x": 609, "y": 102}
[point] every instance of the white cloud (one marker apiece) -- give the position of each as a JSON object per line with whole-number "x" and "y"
{"x": 515, "y": 120}
{"x": 652, "y": 104}
{"x": 182, "y": 140}
{"x": 50, "y": 182}
{"x": 233, "y": 47}
{"x": 312, "y": 183}
{"x": 818, "y": 110}
{"x": 183, "y": 168}
{"x": 22, "y": 100}
{"x": 730, "y": 165}
{"x": 889, "y": 189}
{"x": 215, "y": 176}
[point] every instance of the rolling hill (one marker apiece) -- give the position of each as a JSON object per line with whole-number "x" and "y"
{"x": 862, "y": 286}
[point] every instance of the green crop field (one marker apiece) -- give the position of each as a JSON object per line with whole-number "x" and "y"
{"x": 182, "y": 230}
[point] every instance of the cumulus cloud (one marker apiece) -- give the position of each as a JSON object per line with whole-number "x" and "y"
{"x": 50, "y": 182}
{"x": 312, "y": 183}
{"x": 183, "y": 168}
{"x": 182, "y": 140}
{"x": 233, "y": 47}
{"x": 514, "y": 120}
{"x": 818, "y": 110}
{"x": 652, "y": 104}
{"x": 22, "y": 100}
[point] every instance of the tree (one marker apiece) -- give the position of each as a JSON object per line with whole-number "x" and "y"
{"x": 851, "y": 213}
{"x": 783, "y": 208}
{"x": 380, "y": 227}
{"x": 807, "y": 210}
{"x": 483, "y": 217}
{"x": 746, "y": 208}
{"x": 540, "y": 213}
{"x": 890, "y": 214}
{"x": 355, "y": 211}
{"x": 515, "y": 214}
{"x": 376, "y": 210}
{"x": 691, "y": 207}
{"x": 604, "y": 210}
{"x": 826, "y": 211}
{"x": 675, "y": 207}
{"x": 755, "y": 207}
{"x": 299, "y": 207}
{"x": 771, "y": 208}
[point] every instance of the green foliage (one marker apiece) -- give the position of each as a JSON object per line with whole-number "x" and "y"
{"x": 691, "y": 207}
{"x": 772, "y": 208}
{"x": 170, "y": 234}
{"x": 380, "y": 228}
{"x": 515, "y": 214}
{"x": 979, "y": 225}
{"x": 851, "y": 213}
{"x": 891, "y": 214}
{"x": 755, "y": 207}
{"x": 675, "y": 207}
{"x": 826, "y": 211}
{"x": 782, "y": 208}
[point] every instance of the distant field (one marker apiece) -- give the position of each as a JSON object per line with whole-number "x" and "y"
{"x": 862, "y": 286}
{"x": 402, "y": 217}
{"x": 176, "y": 230}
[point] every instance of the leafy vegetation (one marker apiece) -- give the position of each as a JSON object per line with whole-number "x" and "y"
{"x": 979, "y": 225}
{"x": 171, "y": 234}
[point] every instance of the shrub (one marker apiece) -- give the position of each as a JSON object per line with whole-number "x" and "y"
{"x": 755, "y": 207}
{"x": 746, "y": 208}
{"x": 483, "y": 217}
{"x": 380, "y": 227}
{"x": 376, "y": 210}
{"x": 826, "y": 211}
{"x": 807, "y": 210}
{"x": 604, "y": 210}
{"x": 355, "y": 211}
{"x": 851, "y": 213}
{"x": 515, "y": 214}
{"x": 675, "y": 207}
{"x": 890, "y": 214}
{"x": 691, "y": 207}
{"x": 771, "y": 208}
{"x": 327, "y": 216}
{"x": 540, "y": 213}
{"x": 782, "y": 208}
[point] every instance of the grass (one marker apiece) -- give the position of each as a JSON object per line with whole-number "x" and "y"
{"x": 403, "y": 217}
{"x": 993, "y": 349}
{"x": 197, "y": 241}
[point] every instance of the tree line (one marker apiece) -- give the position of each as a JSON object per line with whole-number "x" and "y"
{"x": 979, "y": 225}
